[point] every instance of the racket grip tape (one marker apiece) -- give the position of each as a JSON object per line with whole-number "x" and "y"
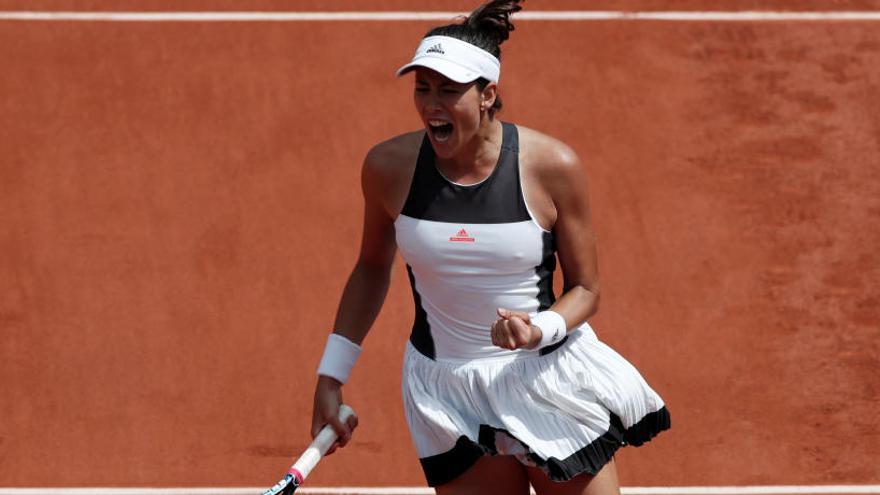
{"x": 318, "y": 448}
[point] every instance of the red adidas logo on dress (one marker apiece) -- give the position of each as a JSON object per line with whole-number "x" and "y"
{"x": 461, "y": 236}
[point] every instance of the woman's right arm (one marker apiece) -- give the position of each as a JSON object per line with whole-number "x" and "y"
{"x": 366, "y": 288}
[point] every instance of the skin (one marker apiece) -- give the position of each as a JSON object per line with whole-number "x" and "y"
{"x": 555, "y": 188}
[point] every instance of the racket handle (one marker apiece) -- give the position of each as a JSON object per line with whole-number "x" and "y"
{"x": 318, "y": 448}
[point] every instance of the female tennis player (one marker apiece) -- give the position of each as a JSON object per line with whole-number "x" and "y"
{"x": 504, "y": 384}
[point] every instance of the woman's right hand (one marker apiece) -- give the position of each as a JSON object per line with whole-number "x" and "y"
{"x": 328, "y": 398}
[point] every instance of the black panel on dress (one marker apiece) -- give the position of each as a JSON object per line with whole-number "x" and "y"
{"x": 498, "y": 199}
{"x": 545, "y": 270}
{"x": 420, "y": 337}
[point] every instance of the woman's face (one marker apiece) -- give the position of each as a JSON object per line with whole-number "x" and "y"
{"x": 449, "y": 110}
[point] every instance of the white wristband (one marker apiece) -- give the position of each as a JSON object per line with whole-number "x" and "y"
{"x": 552, "y": 326}
{"x": 340, "y": 354}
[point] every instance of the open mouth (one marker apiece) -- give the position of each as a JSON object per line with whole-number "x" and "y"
{"x": 440, "y": 129}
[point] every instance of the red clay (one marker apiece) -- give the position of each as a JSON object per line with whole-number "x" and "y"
{"x": 179, "y": 208}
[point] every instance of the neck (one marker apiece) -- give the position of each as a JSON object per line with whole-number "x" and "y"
{"x": 478, "y": 158}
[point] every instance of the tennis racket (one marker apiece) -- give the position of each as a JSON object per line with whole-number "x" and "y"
{"x": 309, "y": 459}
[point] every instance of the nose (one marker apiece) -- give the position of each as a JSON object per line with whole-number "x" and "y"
{"x": 432, "y": 102}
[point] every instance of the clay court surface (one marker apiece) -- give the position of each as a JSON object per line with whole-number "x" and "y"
{"x": 179, "y": 210}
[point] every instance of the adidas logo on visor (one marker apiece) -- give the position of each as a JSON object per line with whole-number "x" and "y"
{"x": 438, "y": 48}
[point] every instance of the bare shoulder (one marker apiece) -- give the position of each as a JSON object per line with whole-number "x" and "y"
{"x": 549, "y": 159}
{"x": 391, "y": 155}
{"x": 388, "y": 169}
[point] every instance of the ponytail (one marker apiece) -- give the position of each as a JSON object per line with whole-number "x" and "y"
{"x": 493, "y": 19}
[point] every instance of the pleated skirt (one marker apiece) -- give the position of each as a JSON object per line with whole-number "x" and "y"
{"x": 566, "y": 412}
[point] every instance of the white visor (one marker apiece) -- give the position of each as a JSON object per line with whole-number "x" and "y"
{"x": 456, "y": 59}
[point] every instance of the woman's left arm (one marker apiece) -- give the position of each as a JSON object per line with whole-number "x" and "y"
{"x": 566, "y": 182}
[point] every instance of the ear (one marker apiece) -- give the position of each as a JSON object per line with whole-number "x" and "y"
{"x": 488, "y": 95}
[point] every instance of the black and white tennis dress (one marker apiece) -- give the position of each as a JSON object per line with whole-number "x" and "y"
{"x": 470, "y": 249}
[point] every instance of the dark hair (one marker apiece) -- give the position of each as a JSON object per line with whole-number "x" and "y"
{"x": 487, "y": 27}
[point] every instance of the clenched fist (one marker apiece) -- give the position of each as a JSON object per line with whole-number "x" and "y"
{"x": 514, "y": 330}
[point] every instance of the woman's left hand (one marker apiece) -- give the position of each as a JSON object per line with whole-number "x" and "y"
{"x": 514, "y": 330}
